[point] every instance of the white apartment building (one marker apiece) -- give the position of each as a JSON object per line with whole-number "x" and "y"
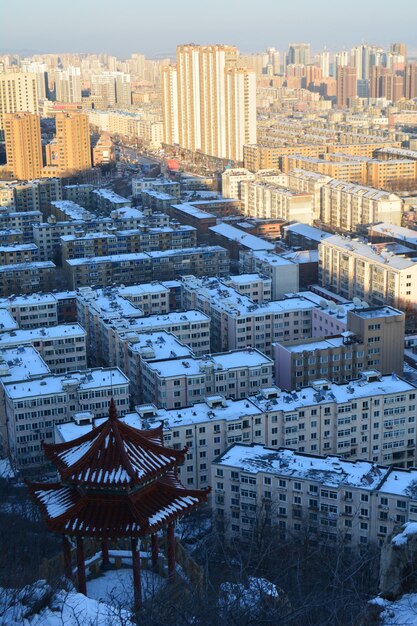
{"x": 177, "y": 383}
{"x": 270, "y": 201}
{"x": 372, "y": 417}
{"x": 232, "y": 179}
{"x": 68, "y": 85}
{"x": 302, "y": 181}
{"x": 352, "y": 268}
{"x": 256, "y": 287}
{"x": 18, "y": 92}
{"x": 17, "y": 364}
{"x": 63, "y": 347}
{"x": 191, "y": 328}
{"x": 283, "y": 273}
{"x": 144, "y": 347}
{"x": 32, "y": 310}
{"x": 345, "y": 206}
{"x": 328, "y": 498}
{"x": 34, "y": 406}
{"x": 238, "y": 322}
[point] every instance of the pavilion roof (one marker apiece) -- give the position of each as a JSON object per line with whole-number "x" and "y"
{"x": 113, "y": 455}
{"x": 73, "y": 512}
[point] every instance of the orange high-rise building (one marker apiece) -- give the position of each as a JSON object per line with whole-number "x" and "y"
{"x": 23, "y": 145}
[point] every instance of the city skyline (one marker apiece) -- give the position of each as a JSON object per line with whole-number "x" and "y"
{"x": 235, "y": 23}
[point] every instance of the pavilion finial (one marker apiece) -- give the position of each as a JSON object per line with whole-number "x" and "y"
{"x": 112, "y": 410}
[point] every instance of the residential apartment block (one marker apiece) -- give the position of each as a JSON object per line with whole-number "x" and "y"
{"x": 374, "y": 339}
{"x": 25, "y": 277}
{"x": 238, "y": 322}
{"x": 34, "y": 406}
{"x": 353, "y": 268}
{"x": 177, "y": 383}
{"x": 327, "y": 498}
{"x": 139, "y": 267}
{"x": 63, "y": 347}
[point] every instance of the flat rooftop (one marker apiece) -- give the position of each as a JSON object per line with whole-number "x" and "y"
{"x": 330, "y": 471}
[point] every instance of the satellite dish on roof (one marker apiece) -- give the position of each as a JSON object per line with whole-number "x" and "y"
{"x": 333, "y": 306}
{"x": 323, "y": 303}
{"x": 365, "y": 305}
{"x": 357, "y": 302}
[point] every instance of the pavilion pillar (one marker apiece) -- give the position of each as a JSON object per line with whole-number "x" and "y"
{"x": 155, "y": 547}
{"x": 171, "y": 551}
{"x": 105, "y": 561}
{"x": 67, "y": 557}
{"x": 82, "y": 581}
{"x": 137, "y": 583}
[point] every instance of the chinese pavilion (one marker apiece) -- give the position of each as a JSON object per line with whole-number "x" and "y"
{"x": 115, "y": 481}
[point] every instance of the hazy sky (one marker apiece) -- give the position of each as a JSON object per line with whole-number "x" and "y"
{"x": 121, "y": 27}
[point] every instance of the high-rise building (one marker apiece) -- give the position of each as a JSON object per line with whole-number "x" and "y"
{"x": 341, "y": 59}
{"x": 240, "y": 105}
{"x": 23, "y": 145}
{"x": 322, "y": 61}
{"x": 298, "y": 54}
{"x": 40, "y": 70}
{"x": 68, "y": 85}
{"x": 410, "y": 81}
{"x": 170, "y": 104}
{"x": 123, "y": 89}
{"x": 208, "y": 120}
{"x": 18, "y": 93}
{"x": 399, "y": 48}
{"x": 346, "y": 85}
{"x": 73, "y": 142}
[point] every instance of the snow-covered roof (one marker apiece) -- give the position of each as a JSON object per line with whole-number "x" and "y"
{"x": 223, "y": 361}
{"x": 7, "y": 321}
{"x": 175, "y": 318}
{"x": 44, "y": 333}
{"x": 310, "y": 232}
{"x": 52, "y": 384}
{"x": 339, "y": 393}
{"x": 20, "y": 363}
{"x": 110, "y": 195}
{"x": 331, "y": 471}
{"x": 373, "y": 253}
{"x": 25, "y": 267}
{"x": 239, "y": 236}
{"x": 158, "y": 346}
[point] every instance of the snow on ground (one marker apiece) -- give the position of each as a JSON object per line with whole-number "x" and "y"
{"x": 410, "y": 528}
{"x": 116, "y": 586}
{"x": 36, "y": 605}
{"x": 402, "y": 612}
{"x": 6, "y": 470}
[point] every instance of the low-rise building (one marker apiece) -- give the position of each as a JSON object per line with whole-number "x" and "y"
{"x": 22, "y": 278}
{"x": 353, "y": 268}
{"x": 270, "y": 201}
{"x": 177, "y": 383}
{"x": 36, "y": 405}
{"x": 282, "y": 272}
{"x": 63, "y": 347}
{"x": 328, "y": 498}
{"x": 143, "y": 267}
{"x": 107, "y": 200}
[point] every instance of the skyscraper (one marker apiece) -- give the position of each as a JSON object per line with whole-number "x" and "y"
{"x": 73, "y": 142}
{"x": 346, "y": 86}
{"x": 18, "y": 93}
{"x": 206, "y": 121}
{"x": 23, "y": 145}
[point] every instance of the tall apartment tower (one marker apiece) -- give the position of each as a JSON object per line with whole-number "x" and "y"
{"x": 23, "y": 145}
{"x": 298, "y": 54}
{"x": 73, "y": 142}
{"x": 18, "y": 93}
{"x": 240, "y": 106}
{"x": 170, "y": 104}
{"x": 68, "y": 85}
{"x": 346, "y": 85}
{"x": 203, "y": 117}
{"x": 410, "y": 81}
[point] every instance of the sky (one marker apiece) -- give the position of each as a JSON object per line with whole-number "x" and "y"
{"x": 155, "y": 27}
